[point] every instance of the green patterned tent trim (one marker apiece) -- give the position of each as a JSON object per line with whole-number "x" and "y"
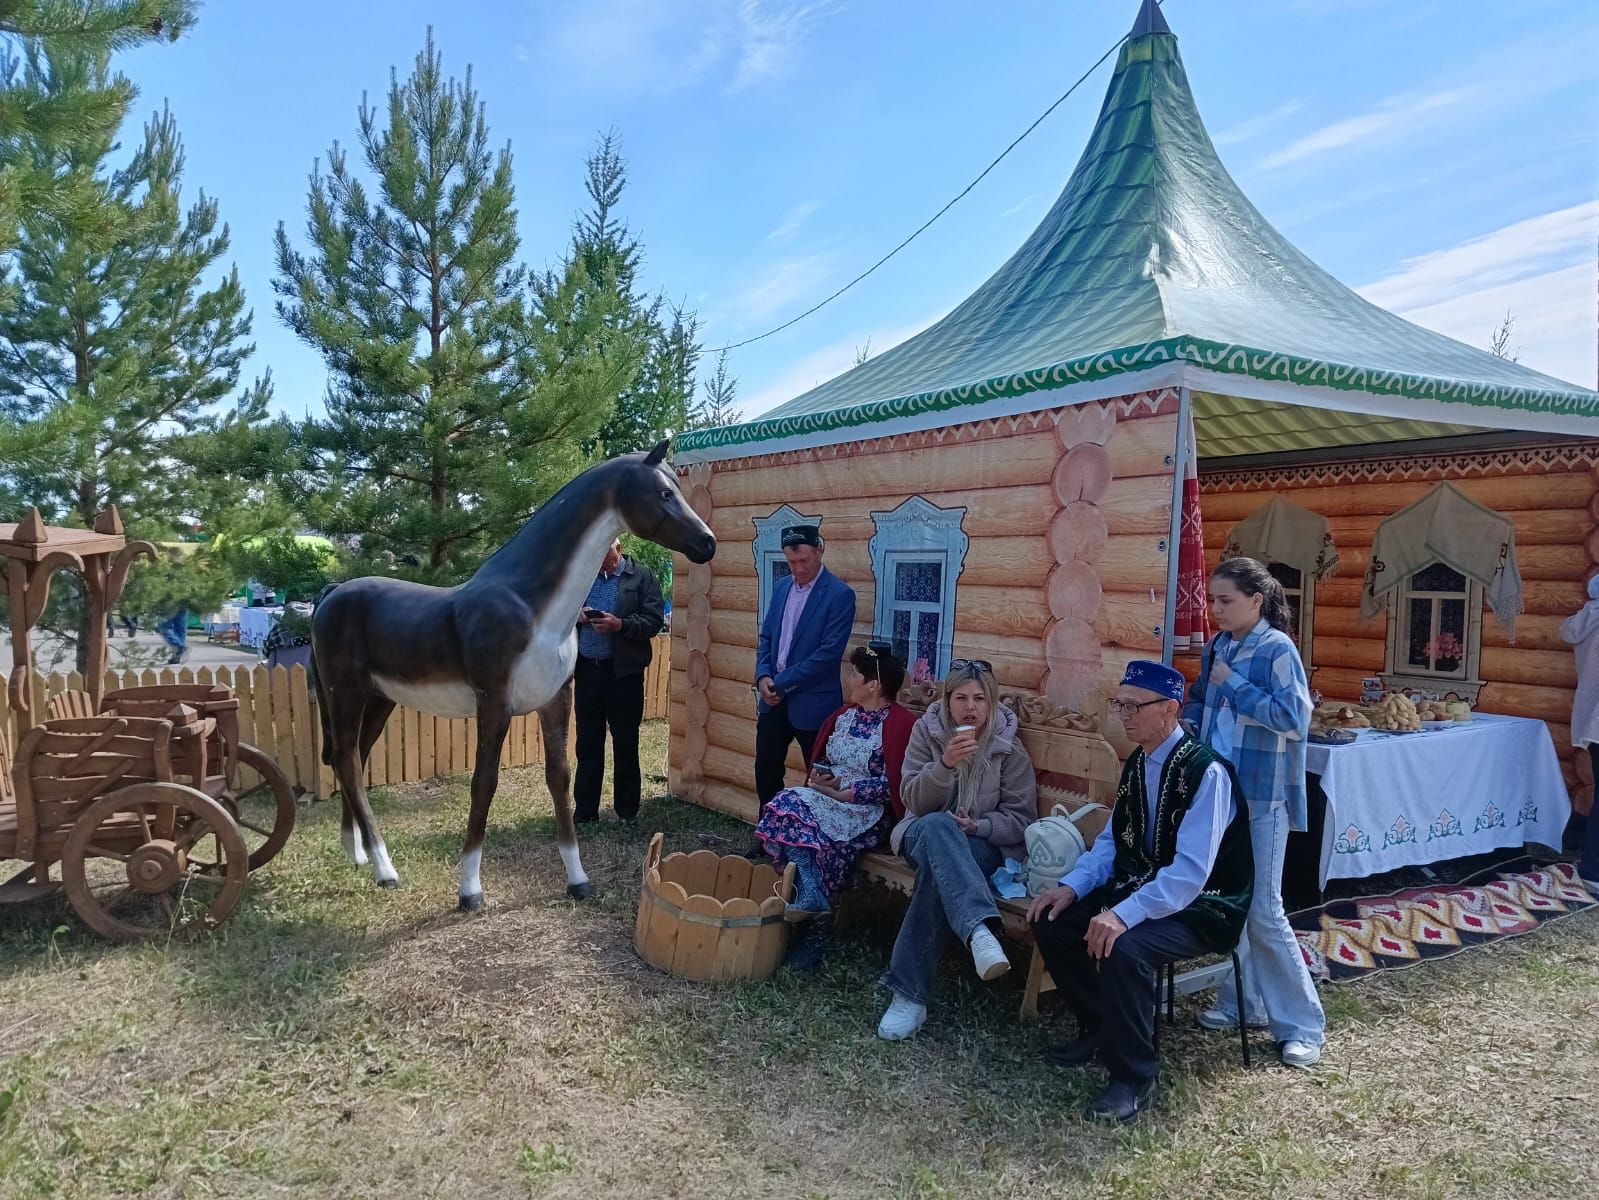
{"x": 1221, "y": 357}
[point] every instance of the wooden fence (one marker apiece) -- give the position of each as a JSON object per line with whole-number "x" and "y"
{"x": 278, "y": 714}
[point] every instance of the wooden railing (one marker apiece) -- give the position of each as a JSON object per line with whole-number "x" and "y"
{"x": 278, "y": 714}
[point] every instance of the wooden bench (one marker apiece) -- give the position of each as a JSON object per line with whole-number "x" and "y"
{"x": 1075, "y": 765}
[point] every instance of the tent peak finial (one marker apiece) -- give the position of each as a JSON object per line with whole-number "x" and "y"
{"x": 1150, "y": 20}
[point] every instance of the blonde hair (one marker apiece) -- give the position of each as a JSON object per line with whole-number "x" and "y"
{"x": 969, "y": 771}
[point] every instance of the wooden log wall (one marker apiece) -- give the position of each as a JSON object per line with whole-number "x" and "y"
{"x": 1551, "y": 493}
{"x": 1067, "y": 514}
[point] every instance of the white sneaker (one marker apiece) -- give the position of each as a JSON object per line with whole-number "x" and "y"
{"x": 987, "y": 955}
{"x": 1300, "y": 1054}
{"x": 1217, "y": 1021}
{"x": 902, "y": 1020}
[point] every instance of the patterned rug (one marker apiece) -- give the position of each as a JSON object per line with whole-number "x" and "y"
{"x": 1349, "y": 939}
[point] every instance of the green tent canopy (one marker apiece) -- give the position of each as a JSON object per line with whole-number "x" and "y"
{"x": 1154, "y": 270}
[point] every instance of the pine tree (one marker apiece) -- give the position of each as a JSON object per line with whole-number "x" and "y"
{"x": 718, "y": 407}
{"x": 460, "y": 386}
{"x": 664, "y": 337}
{"x": 34, "y": 115}
{"x": 119, "y": 366}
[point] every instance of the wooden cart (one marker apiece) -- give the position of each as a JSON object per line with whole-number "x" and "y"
{"x": 217, "y": 772}
{"x": 142, "y": 856}
{"x": 135, "y": 794}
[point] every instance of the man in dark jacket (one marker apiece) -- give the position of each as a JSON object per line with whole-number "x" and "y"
{"x": 622, "y": 616}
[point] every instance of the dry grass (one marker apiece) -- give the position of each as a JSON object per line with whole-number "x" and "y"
{"x": 334, "y": 1040}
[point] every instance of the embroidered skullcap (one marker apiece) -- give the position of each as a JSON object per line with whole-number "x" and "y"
{"x": 801, "y": 535}
{"x": 1155, "y": 677}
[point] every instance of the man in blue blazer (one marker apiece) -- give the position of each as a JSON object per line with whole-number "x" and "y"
{"x": 798, "y": 657}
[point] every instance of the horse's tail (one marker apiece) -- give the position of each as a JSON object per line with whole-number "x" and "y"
{"x": 324, "y": 714}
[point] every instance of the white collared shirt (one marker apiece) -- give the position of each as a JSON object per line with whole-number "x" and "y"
{"x": 1199, "y": 835}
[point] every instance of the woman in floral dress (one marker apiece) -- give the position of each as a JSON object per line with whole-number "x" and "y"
{"x": 850, "y": 799}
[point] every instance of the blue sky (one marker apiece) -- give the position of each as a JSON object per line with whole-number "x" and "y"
{"x": 1439, "y": 157}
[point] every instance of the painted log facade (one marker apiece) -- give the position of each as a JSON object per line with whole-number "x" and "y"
{"x": 1068, "y": 514}
{"x": 1550, "y": 493}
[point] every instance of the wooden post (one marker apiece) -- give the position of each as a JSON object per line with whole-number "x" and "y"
{"x": 20, "y": 685}
{"x": 305, "y": 761}
{"x": 283, "y": 722}
{"x": 413, "y": 742}
{"x": 95, "y": 571}
{"x": 1174, "y": 539}
{"x": 394, "y": 747}
{"x": 429, "y": 751}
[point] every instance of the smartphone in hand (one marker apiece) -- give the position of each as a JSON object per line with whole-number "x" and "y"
{"x": 592, "y": 614}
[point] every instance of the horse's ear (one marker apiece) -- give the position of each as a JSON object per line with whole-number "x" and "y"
{"x": 658, "y": 455}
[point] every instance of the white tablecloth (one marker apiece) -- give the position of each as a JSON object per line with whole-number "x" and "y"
{"x": 1399, "y": 800}
{"x": 226, "y": 617}
{"x": 255, "y": 624}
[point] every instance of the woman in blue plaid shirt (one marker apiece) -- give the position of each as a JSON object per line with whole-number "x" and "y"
{"x": 1251, "y": 704}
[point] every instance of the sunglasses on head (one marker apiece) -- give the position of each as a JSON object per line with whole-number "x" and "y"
{"x": 972, "y": 664}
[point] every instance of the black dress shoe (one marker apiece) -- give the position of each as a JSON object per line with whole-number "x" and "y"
{"x": 1122, "y": 1101}
{"x": 1078, "y": 1052}
{"x": 807, "y": 949}
{"x": 586, "y": 820}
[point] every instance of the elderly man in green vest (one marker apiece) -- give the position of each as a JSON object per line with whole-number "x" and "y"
{"x": 1171, "y": 877}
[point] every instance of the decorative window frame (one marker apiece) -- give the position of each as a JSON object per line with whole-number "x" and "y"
{"x": 1400, "y": 675}
{"x": 769, "y": 549}
{"x": 919, "y": 531}
{"x": 1307, "y": 611}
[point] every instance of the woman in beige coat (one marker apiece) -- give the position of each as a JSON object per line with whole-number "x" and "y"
{"x": 969, "y": 793}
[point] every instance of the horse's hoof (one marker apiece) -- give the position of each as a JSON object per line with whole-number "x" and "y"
{"x": 473, "y": 903}
{"x": 392, "y": 884}
{"x": 580, "y": 891}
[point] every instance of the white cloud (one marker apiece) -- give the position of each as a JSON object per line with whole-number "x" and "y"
{"x": 1564, "y": 237}
{"x": 1256, "y": 126}
{"x": 791, "y": 222}
{"x": 1392, "y": 119}
{"x": 1026, "y": 202}
{"x": 645, "y": 46}
{"x": 782, "y": 286}
{"x": 821, "y": 365}
{"x": 1540, "y": 270}
{"x": 1554, "y": 321}
{"x": 769, "y": 35}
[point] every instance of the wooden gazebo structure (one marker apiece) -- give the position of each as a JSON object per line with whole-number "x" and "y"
{"x": 34, "y": 552}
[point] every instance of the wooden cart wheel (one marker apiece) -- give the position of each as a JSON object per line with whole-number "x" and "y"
{"x": 127, "y": 883}
{"x": 265, "y": 812}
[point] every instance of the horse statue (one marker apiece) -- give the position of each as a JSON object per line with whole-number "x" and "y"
{"x": 499, "y": 645}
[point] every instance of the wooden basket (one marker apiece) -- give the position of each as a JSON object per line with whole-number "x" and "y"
{"x": 709, "y": 916}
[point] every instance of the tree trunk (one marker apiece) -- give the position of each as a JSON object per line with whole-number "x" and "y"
{"x": 87, "y": 494}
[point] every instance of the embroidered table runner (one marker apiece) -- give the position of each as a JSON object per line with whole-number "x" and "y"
{"x": 1401, "y": 800}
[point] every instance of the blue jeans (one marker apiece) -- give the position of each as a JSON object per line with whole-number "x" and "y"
{"x": 1277, "y": 984}
{"x": 176, "y": 630}
{"x": 1588, "y": 862}
{"x": 951, "y": 897}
